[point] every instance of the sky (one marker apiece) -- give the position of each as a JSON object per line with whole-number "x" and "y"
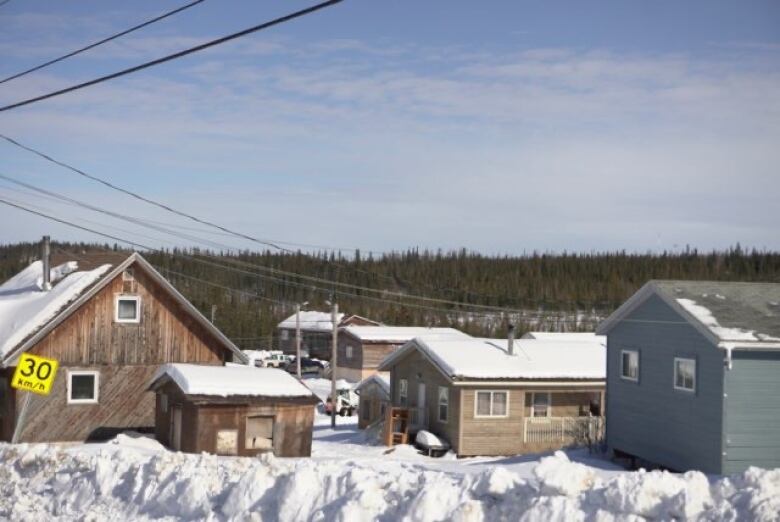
{"x": 502, "y": 127}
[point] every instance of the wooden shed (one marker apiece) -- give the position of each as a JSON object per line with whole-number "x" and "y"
{"x": 233, "y": 410}
{"x": 374, "y": 393}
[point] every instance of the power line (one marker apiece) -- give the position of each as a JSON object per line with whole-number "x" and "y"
{"x": 174, "y": 56}
{"x": 101, "y": 42}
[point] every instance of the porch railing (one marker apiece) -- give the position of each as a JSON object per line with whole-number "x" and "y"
{"x": 575, "y": 430}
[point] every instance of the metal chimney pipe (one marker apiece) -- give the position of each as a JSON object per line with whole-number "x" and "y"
{"x": 46, "y": 260}
{"x": 510, "y": 340}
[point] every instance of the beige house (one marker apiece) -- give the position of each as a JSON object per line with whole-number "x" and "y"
{"x": 495, "y": 397}
{"x": 361, "y": 348}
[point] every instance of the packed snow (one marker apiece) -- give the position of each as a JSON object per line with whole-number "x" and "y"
{"x": 705, "y": 316}
{"x": 225, "y": 381}
{"x": 398, "y": 334}
{"x": 312, "y": 321}
{"x": 350, "y": 479}
{"x": 26, "y": 307}
{"x": 532, "y": 359}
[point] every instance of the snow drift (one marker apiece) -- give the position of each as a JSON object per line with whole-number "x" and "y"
{"x": 122, "y": 481}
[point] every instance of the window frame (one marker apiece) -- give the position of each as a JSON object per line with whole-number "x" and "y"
{"x": 548, "y": 413}
{"x": 446, "y": 404}
{"x": 403, "y": 392}
{"x": 285, "y": 334}
{"x": 121, "y": 297}
{"x": 674, "y": 374}
{"x": 349, "y": 351}
{"x": 491, "y": 415}
{"x": 95, "y": 387}
{"x": 622, "y": 368}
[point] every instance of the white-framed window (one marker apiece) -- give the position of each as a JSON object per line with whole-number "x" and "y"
{"x": 444, "y": 403}
{"x": 350, "y": 351}
{"x": 127, "y": 309}
{"x": 685, "y": 374}
{"x": 403, "y": 392}
{"x": 629, "y": 365}
{"x": 83, "y": 386}
{"x": 285, "y": 335}
{"x": 541, "y": 404}
{"x": 491, "y": 404}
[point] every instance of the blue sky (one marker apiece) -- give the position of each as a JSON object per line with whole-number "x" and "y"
{"x": 501, "y": 127}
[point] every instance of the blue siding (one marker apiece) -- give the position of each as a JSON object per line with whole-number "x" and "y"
{"x": 752, "y": 427}
{"x": 650, "y": 418}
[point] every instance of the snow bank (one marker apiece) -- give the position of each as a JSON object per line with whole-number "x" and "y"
{"x": 43, "y": 482}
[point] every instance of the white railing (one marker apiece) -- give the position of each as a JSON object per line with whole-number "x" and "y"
{"x": 418, "y": 419}
{"x": 577, "y": 430}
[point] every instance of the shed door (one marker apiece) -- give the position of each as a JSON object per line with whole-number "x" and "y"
{"x": 175, "y": 436}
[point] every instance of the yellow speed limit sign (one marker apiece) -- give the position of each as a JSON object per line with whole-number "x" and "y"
{"x": 34, "y": 374}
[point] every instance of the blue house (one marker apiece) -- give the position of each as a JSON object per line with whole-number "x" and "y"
{"x": 693, "y": 375}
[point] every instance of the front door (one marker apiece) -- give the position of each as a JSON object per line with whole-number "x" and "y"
{"x": 175, "y": 436}
{"x": 421, "y": 395}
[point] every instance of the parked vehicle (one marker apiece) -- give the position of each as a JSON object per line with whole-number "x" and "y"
{"x": 347, "y": 401}
{"x": 277, "y": 360}
{"x": 309, "y": 367}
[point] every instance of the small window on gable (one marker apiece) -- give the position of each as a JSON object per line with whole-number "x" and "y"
{"x": 83, "y": 387}
{"x": 685, "y": 374}
{"x": 350, "y": 351}
{"x": 629, "y": 365}
{"x": 403, "y": 392}
{"x": 285, "y": 335}
{"x": 128, "y": 309}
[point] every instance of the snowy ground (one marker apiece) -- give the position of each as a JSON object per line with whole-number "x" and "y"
{"x": 350, "y": 479}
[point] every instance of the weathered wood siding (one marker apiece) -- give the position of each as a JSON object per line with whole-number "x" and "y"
{"x": 7, "y": 405}
{"x": 372, "y": 400}
{"x": 365, "y": 355}
{"x": 650, "y": 418}
{"x": 752, "y": 411}
{"x": 125, "y": 354}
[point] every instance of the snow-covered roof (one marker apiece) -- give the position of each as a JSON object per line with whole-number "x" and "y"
{"x": 25, "y": 307}
{"x": 731, "y": 314}
{"x": 472, "y": 358}
{"x": 566, "y": 336}
{"x": 312, "y": 321}
{"x": 233, "y": 380}
{"x": 383, "y": 381}
{"x": 398, "y": 334}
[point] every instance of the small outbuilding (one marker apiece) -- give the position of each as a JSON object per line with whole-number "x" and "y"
{"x": 374, "y": 393}
{"x": 233, "y": 410}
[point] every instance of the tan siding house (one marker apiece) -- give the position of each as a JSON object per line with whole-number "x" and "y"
{"x": 110, "y": 321}
{"x": 486, "y": 401}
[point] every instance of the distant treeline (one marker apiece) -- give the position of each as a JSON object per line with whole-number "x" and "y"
{"x": 551, "y": 288}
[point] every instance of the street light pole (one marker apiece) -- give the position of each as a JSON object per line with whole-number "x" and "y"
{"x": 298, "y": 340}
{"x": 334, "y": 364}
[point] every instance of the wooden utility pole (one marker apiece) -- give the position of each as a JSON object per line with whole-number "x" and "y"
{"x": 334, "y": 363}
{"x": 298, "y": 340}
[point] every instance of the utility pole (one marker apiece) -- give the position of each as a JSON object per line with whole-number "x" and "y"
{"x": 298, "y": 340}
{"x": 334, "y": 363}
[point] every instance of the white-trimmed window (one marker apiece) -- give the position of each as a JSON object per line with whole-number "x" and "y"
{"x": 83, "y": 386}
{"x": 685, "y": 374}
{"x": 491, "y": 404}
{"x": 444, "y": 403}
{"x": 540, "y": 404}
{"x": 403, "y": 392}
{"x": 350, "y": 351}
{"x": 285, "y": 335}
{"x": 127, "y": 309}
{"x": 629, "y": 365}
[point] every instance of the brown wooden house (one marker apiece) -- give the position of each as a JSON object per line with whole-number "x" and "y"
{"x": 110, "y": 320}
{"x": 495, "y": 397}
{"x": 233, "y": 410}
{"x": 362, "y": 348}
{"x": 374, "y": 393}
{"x": 316, "y": 332}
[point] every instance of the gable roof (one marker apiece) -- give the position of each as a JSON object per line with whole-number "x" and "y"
{"x": 730, "y": 314}
{"x": 312, "y": 321}
{"x": 228, "y": 381}
{"x": 487, "y": 359}
{"x": 397, "y": 334}
{"x": 34, "y": 313}
{"x": 382, "y": 382}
